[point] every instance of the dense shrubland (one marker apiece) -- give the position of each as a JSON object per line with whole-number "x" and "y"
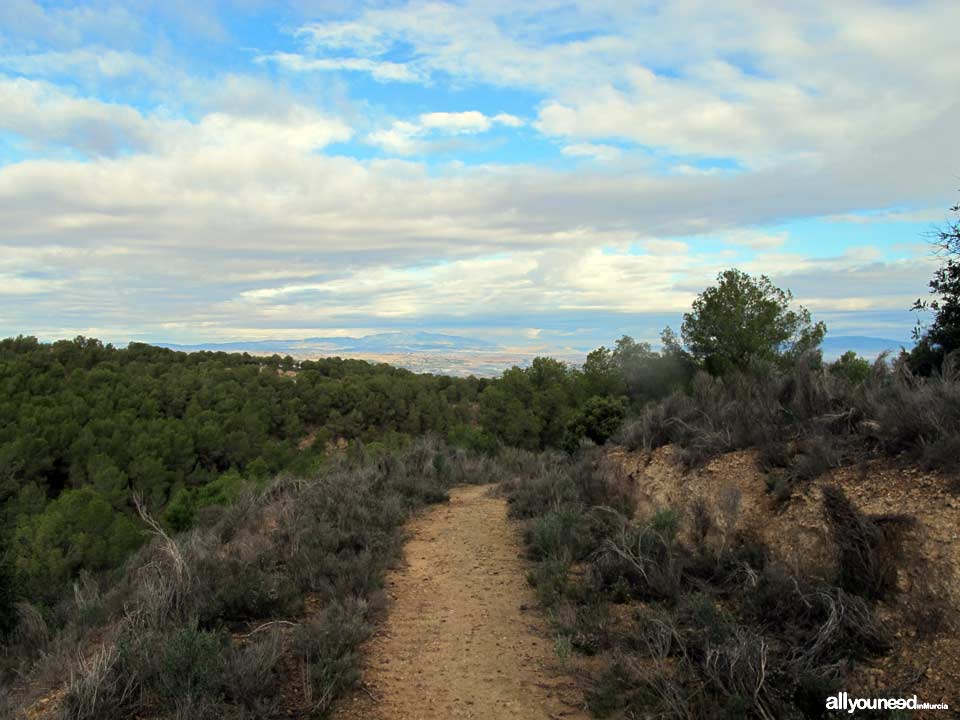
{"x": 211, "y": 622}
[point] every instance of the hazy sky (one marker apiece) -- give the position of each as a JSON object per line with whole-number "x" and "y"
{"x": 539, "y": 173}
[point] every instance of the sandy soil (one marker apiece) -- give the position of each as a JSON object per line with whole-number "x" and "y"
{"x": 462, "y": 638}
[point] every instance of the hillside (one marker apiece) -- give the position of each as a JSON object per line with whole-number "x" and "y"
{"x": 919, "y": 660}
{"x": 268, "y": 606}
{"x": 728, "y": 527}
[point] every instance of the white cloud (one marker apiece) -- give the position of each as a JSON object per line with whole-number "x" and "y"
{"x": 233, "y": 236}
{"x": 45, "y": 115}
{"x": 23, "y": 286}
{"x": 42, "y": 113}
{"x": 931, "y": 215}
{"x": 537, "y": 281}
{"x": 594, "y": 151}
{"x": 508, "y": 120}
{"x": 470, "y": 121}
{"x": 383, "y": 71}
{"x": 87, "y": 63}
{"x": 231, "y": 216}
{"x": 301, "y": 130}
{"x": 360, "y": 38}
{"x": 765, "y": 84}
{"x": 404, "y": 137}
{"x": 756, "y": 240}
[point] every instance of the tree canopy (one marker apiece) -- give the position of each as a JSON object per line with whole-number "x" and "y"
{"x": 743, "y": 319}
{"x": 943, "y": 335}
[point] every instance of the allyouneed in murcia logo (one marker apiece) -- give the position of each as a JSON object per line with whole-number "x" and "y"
{"x": 843, "y": 701}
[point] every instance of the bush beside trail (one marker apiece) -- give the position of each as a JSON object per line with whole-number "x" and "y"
{"x": 278, "y": 588}
{"x": 689, "y": 612}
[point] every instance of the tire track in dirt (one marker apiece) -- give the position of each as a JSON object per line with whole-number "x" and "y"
{"x": 459, "y": 641}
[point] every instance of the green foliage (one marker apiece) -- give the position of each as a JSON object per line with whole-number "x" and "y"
{"x": 328, "y": 646}
{"x": 554, "y": 405}
{"x": 474, "y": 439}
{"x": 602, "y": 374}
{"x": 742, "y": 320}
{"x": 181, "y": 510}
{"x": 649, "y": 375}
{"x": 77, "y": 530}
{"x": 942, "y": 337}
{"x": 185, "y": 431}
{"x": 192, "y": 613}
{"x": 598, "y": 420}
{"x": 190, "y": 665}
{"x": 8, "y": 597}
{"x": 509, "y": 417}
{"x": 222, "y": 491}
{"x": 558, "y": 534}
{"x": 851, "y": 367}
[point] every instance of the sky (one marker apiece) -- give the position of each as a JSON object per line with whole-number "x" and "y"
{"x": 540, "y": 174}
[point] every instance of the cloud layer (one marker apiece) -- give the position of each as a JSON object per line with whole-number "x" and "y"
{"x": 167, "y": 175}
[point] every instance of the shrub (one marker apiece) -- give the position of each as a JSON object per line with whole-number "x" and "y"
{"x": 190, "y": 665}
{"x": 646, "y": 556}
{"x": 598, "y": 420}
{"x": 551, "y": 578}
{"x": 332, "y": 535}
{"x": 95, "y": 690}
{"x": 587, "y": 625}
{"x": 327, "y": 645}
{"x": 77, "y": 530}
{"x": 609, "y": 692}
{"x": 722, "y": 632}
{"x": 851, "y": 367}
{"x": 8, "y": 597}
{"x": 603, "y": 482}
{"x": 706, "y": 621}
{"x": 806, "y": 419}
{"x": 869, "y": 548}
{"x": 249, "y": 671}
{"x": 473, "y": 439}
{"x": 549, "y": 489}
{"x": 242, "y": 591}
{"x": 557, "y": 534}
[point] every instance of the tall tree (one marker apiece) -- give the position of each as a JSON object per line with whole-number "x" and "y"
{"x": 743, "y": 319}
{"x": 943, "y": 335}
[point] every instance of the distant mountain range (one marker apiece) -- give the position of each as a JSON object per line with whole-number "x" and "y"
{"x": 457, "y": 355}
{"x": 388, "y": 342}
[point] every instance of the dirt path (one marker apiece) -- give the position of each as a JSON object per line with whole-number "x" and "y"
{"x": 459, "y": 641}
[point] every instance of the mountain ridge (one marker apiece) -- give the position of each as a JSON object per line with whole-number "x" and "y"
{"x": 395, "y": 341}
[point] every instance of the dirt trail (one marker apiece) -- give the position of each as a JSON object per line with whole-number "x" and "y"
{"x": 459, "y": 641}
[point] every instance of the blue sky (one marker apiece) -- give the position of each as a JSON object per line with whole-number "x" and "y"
{"x": 547, "y": 175}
